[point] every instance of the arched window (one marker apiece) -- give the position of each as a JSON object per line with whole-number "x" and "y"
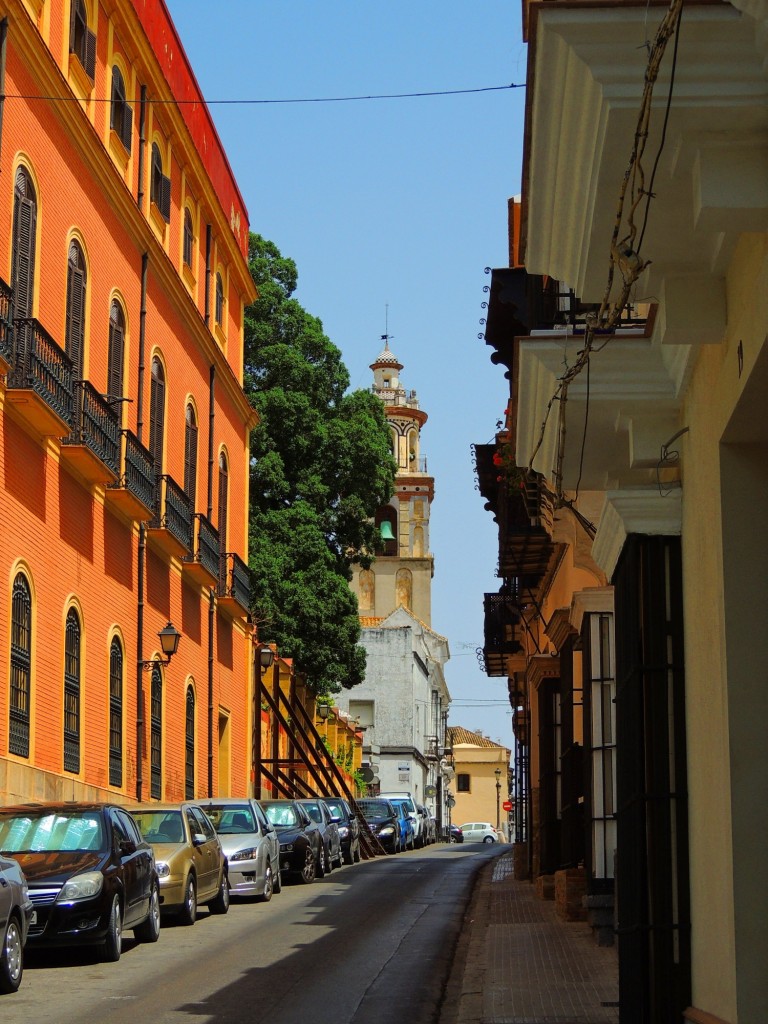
{"x": 72, "y": 692}
{"x": 116, "y": 350}
{"x": 219, "y": 308}
{"x": 367, "y": 599}
{"x": 156, "y": 735}
{"x": 189, "y": 747}
{"x": 116, "y": 713}
{"x": 160, "y": 185}
{"x": 157, "y": 415}
{"x": 189, "y": 238}
{"x": 190, "y": 453}
{"x": 82, "y": 42}
{"x": 23, "y": 257}
{"x": 403, "y": 587}
{"x": 121, "y": 115}
{"x": 21, "y": 667}
{"x": 75, "y": 323}
{"x": 222, "y": 518}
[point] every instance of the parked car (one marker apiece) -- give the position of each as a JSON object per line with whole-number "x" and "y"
{"x": 428, "y": 830}
{"x": 15, "y": 914}
{"x": 408, "y": 802}
{"x": 250, "y": 845}
{"x": 300, "y": 840}
{"x": 330, "y": 854}
{"x": 191, "y": 864}
{"x": 479, "y": 832}
{"x": 383, "y": 820}
{"x": 349, "y": 829}
{"x": 89, "y": 874}
{"x": 455, "y": 835}
{"x": 405, "y": 823}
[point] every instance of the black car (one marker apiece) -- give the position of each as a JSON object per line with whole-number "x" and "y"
{"x": 330, "y": 850}
{"x": 300, "y": 839}
{"x": 455, "y": 835}
{"x": 89, "y": 873}
{"x": 349, "y": 829}
{"x": 384, "y": 822}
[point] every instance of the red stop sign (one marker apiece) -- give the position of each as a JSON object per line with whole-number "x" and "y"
{"x": 507, "y": 805}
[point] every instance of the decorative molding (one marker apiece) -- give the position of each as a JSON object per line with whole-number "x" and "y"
{"x": 541, "y": 667}
{"x": 634, "y": 510}
{"x": 590, "y": 602}
{"x": 694, "y": 1016}
{"x": 559, "y": 627}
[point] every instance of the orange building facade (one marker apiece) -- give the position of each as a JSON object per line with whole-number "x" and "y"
{"x": 123, "y": 423}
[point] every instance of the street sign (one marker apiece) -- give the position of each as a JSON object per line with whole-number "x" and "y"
{"x": 507, "y": 805}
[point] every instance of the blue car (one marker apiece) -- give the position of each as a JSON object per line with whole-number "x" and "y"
{"x": 405, "y": 825}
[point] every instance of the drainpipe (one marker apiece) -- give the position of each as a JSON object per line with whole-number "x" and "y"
{"x": 142, "y": 144}
{"x": 142, "y": 549}
{"x": 3, "y": 42}
{"x": 207, "y": 275}
{"x": 212, "y": 592}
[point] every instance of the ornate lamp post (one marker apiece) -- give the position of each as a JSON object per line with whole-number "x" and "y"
{"x": 497, "y": 773}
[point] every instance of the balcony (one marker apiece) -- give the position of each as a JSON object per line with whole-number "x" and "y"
{"x": 6, "y": 326}
{"x": 40, "y": 380}
{"x": 202, "y": 564}
{"x": 170, "y": 529}
{"x": 93, "y": 447}
{"x": 133, "y": 493}
{"x": 503, "y": 652}
{"x": 234, "y": 589}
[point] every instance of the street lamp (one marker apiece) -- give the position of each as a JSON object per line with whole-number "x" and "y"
{"x": 497, "y": 773}
{"x": 169, "y": 642}
{"x": 266, "y": 657}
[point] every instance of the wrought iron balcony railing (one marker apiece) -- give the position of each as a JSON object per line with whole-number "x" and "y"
{"x": 6, "y": 321}
{"x": 204, "y": 560}
{"x": 39, "y": 365}
{"x": 96, "y": 426}
{"x": 234, "y": 580}
{"x": 173, "y": 511}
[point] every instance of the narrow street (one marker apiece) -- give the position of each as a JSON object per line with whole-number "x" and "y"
{"x": 363, "y": 944}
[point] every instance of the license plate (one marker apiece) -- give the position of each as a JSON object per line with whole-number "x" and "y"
{"x": 33, "y": 919}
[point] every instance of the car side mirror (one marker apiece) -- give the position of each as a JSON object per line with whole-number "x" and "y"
{"x": 127, "y": 847}
{"x": 198, "y": 839}
{"x": 335, "y": 819}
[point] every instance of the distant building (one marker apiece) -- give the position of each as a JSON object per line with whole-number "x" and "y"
{"x": 481, "y": 782}
{"x": 403, "y": 702}
{"x": 123, "y": 423}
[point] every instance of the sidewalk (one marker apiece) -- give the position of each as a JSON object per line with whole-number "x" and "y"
{"x": 518, "y": 963}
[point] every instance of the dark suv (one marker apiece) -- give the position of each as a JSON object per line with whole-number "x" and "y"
{"x": 89, "y": 872}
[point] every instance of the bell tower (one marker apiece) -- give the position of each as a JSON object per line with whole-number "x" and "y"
{"x": 402, "y": 573}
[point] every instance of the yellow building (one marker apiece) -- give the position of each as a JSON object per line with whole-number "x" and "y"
{"x": 481, "y": 781}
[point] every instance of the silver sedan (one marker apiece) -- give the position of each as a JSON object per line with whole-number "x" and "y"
{"x": 250, "y": 844}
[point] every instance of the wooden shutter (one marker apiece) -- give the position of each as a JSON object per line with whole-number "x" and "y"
{"x": 89, "y": 54}
{"x": 23, "y": 260}
{"x": 126, "y": 129}
{"x": 116, "y": 352}
{"x": 190, "y": 454}
{"x": 165, "y": 198}
{"x": 75, "y": 308}
{"x": 157, "y": 415}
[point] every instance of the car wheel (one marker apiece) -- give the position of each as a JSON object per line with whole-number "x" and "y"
{"x": 308, "y": 872}
{"x": 149, "y": 930}
{"x": 113, "y": 943}
{"x": 11, "y": 958}
{"x": 188, "y": 912}
{"x": 339, "y": 859}
{"x": 220, "y": 903}
{"x": 320, "y": 869}
{"x": 277, "y": 880}
{"x": 348, "y": 856}
{"x": 266, "y": 893}
{"x": 489, "y": 839}
{"x": 356, "y": 854}
{"x": 454, "y": 839}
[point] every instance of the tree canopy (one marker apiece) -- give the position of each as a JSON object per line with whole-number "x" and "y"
{"x": 321, "y": 465}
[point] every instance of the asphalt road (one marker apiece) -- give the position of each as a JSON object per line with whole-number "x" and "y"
{"x": 370, "y": 943}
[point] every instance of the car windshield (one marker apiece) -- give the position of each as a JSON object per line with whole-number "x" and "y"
{"x": 231, "y": 819}
{"x": 160, "y": 826}
{"x": 313, "y": 810}
{"x": 374, "y": 810}
{"x": 50, "y": 832}
{"x": 281, "y": 815}
{"x": 336, "y": 808}
{"x": 404, "y": 801}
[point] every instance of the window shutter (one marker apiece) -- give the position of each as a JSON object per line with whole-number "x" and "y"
{"x": 89, "y": 63}
{"x": 23, "y": 254}
{"x": 116, "y": 351}
{"x": 126, "y": 128}
{"x": 190, "y": 455}
{"x": 75, "y": 310}
{"x": 72, "y": 19}
{"x": 157, "y": 416}
{"x": 164, "y": 204}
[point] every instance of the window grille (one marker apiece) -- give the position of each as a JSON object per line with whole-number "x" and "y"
{"x": 72, "y": 692}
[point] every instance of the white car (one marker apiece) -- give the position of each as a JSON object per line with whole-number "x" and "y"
{"x": 479, "y": 832}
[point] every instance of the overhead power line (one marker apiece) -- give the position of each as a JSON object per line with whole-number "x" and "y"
{"x": 264, "y": 102}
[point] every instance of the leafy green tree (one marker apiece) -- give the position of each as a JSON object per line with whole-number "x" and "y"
{"x": 320, "y": 467}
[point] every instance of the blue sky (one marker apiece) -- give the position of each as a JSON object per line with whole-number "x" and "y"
{"x": 389, "y": 203}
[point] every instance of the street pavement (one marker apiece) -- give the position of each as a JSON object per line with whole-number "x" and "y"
{"x": 516, "y": 962}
